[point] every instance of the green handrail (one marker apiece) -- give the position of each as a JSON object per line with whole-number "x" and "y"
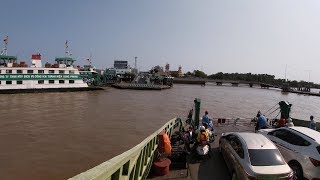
{"x": 133, "y": 164}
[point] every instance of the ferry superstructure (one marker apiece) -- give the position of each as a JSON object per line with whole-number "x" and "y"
{"x": 18, "y": 77}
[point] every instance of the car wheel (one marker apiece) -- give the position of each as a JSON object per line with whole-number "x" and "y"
{"x": 297, "y": 170}
{"x": 234, "y": 176}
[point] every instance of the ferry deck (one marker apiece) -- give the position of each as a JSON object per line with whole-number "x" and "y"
{"x": 209, "y": 168}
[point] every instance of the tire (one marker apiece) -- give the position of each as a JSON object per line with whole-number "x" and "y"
{"x": 297, "y": 170}
{"x": 234, "y": 176}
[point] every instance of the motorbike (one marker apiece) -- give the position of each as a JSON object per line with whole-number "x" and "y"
{"x": 203, "y": 150}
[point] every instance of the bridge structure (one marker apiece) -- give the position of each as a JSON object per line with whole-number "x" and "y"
{"x": 221, "y": 82}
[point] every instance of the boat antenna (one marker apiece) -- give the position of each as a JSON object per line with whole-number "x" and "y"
{"x": 66, "y": 48}
{"x": 5, "y": 49}
{"x": 90, "y": 59}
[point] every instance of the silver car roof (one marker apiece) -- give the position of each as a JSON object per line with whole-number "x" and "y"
{"x": 308, "y": 132}
{"x": 256, "y": 141}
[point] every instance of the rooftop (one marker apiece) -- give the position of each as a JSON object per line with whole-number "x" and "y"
{"x": 256, "y": 141}
{"x": 8, "y": 57}
{"x": 308, "y": 132}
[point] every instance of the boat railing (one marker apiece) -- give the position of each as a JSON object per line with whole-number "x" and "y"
{"x": 134, "y": 163}
{"x": 232, "y": 121}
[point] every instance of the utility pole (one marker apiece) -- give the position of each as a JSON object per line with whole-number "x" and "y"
{"x": 309, "y": 71}
{"x": 135, "y": 62}
{"x": 285, "y": 74}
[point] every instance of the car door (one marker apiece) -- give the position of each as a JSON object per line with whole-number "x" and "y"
{"x": 288, "y": 143}
{"x": 237, "y": 156}
{"x": 279, "y": 138}
{"x": 226, "y": 150}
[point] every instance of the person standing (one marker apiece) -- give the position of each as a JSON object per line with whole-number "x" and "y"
{"x": 282, "y": 122}
{"x": 312, "y": 124}
{"x": 207, "y": 120}
{"x": 261, "y": 122}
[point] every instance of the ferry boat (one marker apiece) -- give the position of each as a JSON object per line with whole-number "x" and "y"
{"x": 89, "y": 74}
{"x": 18, "y": 77}
{"x": 141, "y": 161}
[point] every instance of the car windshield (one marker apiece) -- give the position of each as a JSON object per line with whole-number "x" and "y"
{"x": 265, "y": 157}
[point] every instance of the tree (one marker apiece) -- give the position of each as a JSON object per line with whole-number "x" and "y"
{"x": 188, "y": 74}
{"x": 200, "y": 74}
{"x": 174, "y": 74}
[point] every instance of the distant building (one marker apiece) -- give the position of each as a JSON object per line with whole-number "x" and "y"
{"x": 123, "y": 71}
{"x": 177, "y": 73}
{"x": 121, "y": 67}
{"x": 120, "y": 64}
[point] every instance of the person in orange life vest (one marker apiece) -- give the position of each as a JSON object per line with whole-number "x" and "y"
{"x": 203, "y": 137}
{"x": 282, "y": 122}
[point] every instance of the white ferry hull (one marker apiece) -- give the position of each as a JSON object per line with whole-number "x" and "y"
{"x": 15, "y": 80}
{"x": 43, "y": 90}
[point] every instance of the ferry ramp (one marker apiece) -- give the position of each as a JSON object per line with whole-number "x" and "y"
{"x": 213, "y": 167}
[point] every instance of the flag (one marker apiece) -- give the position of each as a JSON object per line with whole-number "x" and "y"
{"x": 6, "y": 40}
{"x": 66, "y": 44}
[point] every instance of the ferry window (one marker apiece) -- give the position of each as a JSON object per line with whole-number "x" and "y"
{"x": 0, "y": 82}
{"x": 71, "y": 81}
{"x": 9, "y": 71}
{"x": 40, "y": 81}
{"x": 71, "y": 72}
{"x": 61, "y": 81}
{"x": 51, "y": 81}
{"x": 40, "y": 71}
{"x": 19, "y": 71}
{"x": 30, "y": 71}
{"x": 51, "y": 71}
{"x": 8, "y": 82}
{"x": 61, "y": 71}
{"x": 19, "y": 82}
{"x": 0, "y": 71}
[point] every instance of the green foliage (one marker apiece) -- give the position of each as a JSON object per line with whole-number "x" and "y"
{"x": 174, "y": 74}
{"x": 199, "y": 74}
{"x": 261, "y": 78}
{"x": 128, "y": 77}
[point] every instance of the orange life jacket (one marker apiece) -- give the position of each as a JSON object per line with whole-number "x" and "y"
{"x": 164, "y": 143}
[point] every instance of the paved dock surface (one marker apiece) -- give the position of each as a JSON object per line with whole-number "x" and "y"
{"x": 213, "y": 167}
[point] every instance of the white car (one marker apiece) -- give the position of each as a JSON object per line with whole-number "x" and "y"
{"x": 253, "y": 156}
{"x": 300, "y": 147}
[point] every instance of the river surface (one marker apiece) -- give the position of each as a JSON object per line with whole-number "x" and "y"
{"x": 58, "y": 135}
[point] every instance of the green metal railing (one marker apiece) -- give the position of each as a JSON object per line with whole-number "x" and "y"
{"x": 133, "y": 164}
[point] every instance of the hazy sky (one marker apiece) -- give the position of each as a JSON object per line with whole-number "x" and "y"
{"x": 257, "y": 36}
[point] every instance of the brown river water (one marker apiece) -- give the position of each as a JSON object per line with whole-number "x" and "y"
{"x": 58, "y": 135}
